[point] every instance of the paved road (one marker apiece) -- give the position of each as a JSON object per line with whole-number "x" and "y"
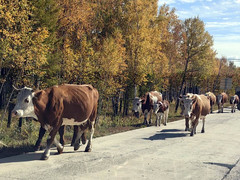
{"x": 149, "y": 153}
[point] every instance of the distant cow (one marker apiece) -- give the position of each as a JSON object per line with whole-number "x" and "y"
{"x": 57, "y": 106}
{"x": 196, "y": 107}
{"x": 161, "y": 109}
{"x": 188, "y": 95}
{"x": 148, "y": 100}
{"x": 221, "y": 99}
{"x": 234, "y": 100}
{"x": 212, "y": 98}
{"x": 137, "y": 106}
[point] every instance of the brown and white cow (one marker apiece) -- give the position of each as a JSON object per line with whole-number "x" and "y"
{"x": 196, "y": 107}
{"x": 234, "y": 100}
{"x": 221, "y": 99}
{"x": 60, "y": 105}
{"x": 212, "y": 98}
{"x": 148, "y": 100}
{"x": 161, "y": 110}
{"x": 188, "y": 95}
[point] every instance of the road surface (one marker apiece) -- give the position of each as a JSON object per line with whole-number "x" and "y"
{"x": 162, "y": 153}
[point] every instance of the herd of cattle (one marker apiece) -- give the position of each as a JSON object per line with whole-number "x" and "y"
{"x": 193, "y": 107}
{"x": 76, "y": 105}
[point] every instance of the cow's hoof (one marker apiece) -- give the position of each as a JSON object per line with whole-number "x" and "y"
{"x": 88, "y": 149}
{"x": 191, "y": 134}
{"x": 203, "y": 131}
{"x": 76, "y": 146}
{"x": 187, "y": 129}
{"x": 60, "y": 150}
{"x": 165, "y": 124}
{"x": 44, "y": 157}
{"x": 36, "y": 148}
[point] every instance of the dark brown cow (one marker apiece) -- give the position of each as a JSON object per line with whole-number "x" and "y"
{"x": 148, "y": 100}
{"x": 234, "y": 100}
{"x": 57, "y": 106}
{"x": 221, "y": 99}
{"x": 196, "y": 107}
{"x": 212, "y": 98}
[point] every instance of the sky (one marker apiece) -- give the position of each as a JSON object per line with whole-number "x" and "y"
{"x": 222, "y": 21}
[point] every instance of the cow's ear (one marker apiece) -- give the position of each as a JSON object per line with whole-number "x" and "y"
{"x": 194, "y": 98}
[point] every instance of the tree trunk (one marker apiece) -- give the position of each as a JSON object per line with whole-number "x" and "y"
{"x": 183, "y": 81}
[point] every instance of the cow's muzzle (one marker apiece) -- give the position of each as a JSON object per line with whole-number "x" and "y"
{"x": 15, "y": 113}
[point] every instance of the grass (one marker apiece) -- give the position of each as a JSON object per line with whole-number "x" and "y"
{"x": 21, "y": 142}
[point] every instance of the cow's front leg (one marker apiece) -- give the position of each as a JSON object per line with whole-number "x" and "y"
{"x": 187, "y": 124}
{"x": 150, "y": 119}
{"x": 194, "y": 126}
{"x": 40, "y": 136}
{"x": 50, "y": 140}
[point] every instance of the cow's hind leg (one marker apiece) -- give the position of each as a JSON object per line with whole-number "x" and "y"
{"x": 166, "y": 116}
{"x": 145, "y": 117}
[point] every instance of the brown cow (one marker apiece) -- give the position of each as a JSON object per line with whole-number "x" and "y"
{"x": 221, "y": 99}
{"x": 57, "y": 106}
{"x": 148, "y": 101}
{"x": 161, "y": 109}
{"x": 196, "y": 107}
{"x": 212, "y": 98}
{"x": 234, "y": 100}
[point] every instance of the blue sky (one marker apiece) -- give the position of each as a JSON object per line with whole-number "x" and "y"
{"x": 221, "y": 18}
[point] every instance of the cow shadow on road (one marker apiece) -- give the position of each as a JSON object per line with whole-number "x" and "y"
{"x": 168, "y": 134}
{"x": 34, "y": 156}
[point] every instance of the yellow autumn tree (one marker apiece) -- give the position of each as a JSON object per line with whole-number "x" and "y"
{"x": 21, "y": 49}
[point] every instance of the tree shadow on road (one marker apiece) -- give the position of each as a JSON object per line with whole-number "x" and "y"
{"x": 168, "y": 134}
{"x": 229, "y": 166}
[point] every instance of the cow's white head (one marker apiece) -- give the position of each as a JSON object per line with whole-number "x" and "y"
{"x": 188, "y": 105}
{"x": 157, "y": 106}
{"x": 232, "y": 99}
{"x": 24, "y": 106}
{"x": 137, "y": 104}
{"x": 219, "y": 98}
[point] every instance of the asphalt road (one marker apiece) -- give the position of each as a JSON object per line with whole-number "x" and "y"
{"x": 162, "y": 153}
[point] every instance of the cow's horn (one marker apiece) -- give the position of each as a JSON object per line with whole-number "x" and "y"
{"x": 15, "y": 88}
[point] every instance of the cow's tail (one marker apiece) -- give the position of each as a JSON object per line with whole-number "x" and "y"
{"x": 148, "y": 99}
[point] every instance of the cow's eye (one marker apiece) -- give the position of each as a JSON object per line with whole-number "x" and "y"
{"x": 26, "y": 100}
